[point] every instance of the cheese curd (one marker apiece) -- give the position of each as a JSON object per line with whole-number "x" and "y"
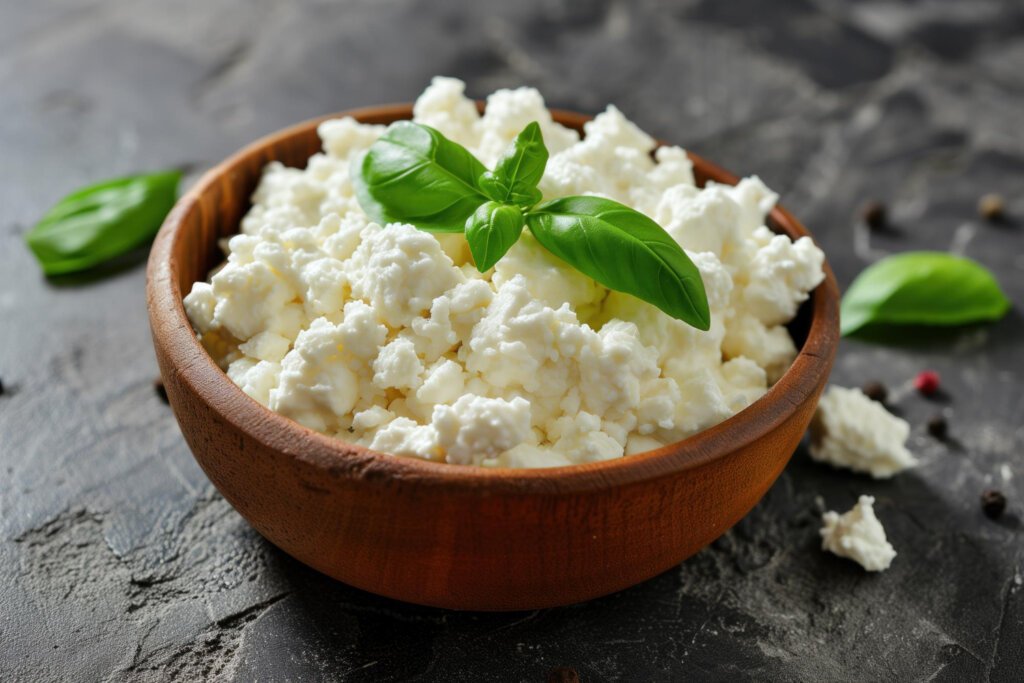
{"x": 858, "y": 536}
{"x": 853, "y": 432}
{"x": 388, "y": 336}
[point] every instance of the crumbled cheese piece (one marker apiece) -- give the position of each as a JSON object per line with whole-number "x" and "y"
{"x": 852, "y": 431}
{"x": 548, "y": 279}
{"x": 525, "y": 455}
{"x": 521, "y": 343}
{"x": 444, "y": 382}
{"x": 476, "y": 428}
{"x": 581, "y": 438}
{"x": 316, "y": 387}
{"x": 256, "y": 378}
{"x": 638, "y": 443}
{"x": 266, "y": 346}
{"x": 780, "y": 276}
{"x": 507, "y": 113}
{"x": 858, "y": 536}
{"x": 399, "y": 271}
{"x": 371, "y": 418}
{"x": 398, "y": 366}
{"x": 404, "y": 436}
{"x": 444, "y": 106}
{"x": 770, "y": 347}
{"x": 389, "y": 337}
{"x": 700, "y": 220}
{"x": 200, "y": 305}
{"x": 253, "y": 296}
{"x": 755, "y": 201}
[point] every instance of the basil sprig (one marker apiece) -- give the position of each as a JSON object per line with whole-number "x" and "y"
{"x": 414, "y": 174}
{"x": 625, "y": 250}
{"x": 491, "y": 231}
{"x": 102, "y": 221}
{"x": 518, "y": 172}
{"x": 922, "y": 288}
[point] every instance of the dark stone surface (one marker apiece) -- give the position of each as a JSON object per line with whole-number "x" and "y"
{"x": 119, "y": 562}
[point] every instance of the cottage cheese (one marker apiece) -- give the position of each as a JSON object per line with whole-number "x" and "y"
{"x": 858, "y": 536}
{"x": 389, "y": 337}
{"x": 852, "y": 431}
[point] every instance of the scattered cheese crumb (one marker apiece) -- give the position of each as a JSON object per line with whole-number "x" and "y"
{"x": 852, "y": 431}
{"x": 858, "y": 536}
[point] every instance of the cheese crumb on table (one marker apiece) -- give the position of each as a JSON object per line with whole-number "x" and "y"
{"x": 851, "y": 431}
{"x": 388, "y": 336}
{"x": 858, "y": 536}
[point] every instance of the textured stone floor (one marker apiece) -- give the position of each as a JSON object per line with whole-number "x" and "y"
{"x": 119, "y": 562}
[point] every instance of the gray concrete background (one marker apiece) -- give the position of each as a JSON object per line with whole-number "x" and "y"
{"x": 118, "y": 561}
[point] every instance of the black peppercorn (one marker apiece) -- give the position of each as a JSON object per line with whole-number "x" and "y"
{"x": 993, "y": 503}
{"x": 1, "y": 387}
{"x": 876, "y": 391}
{"x": 991, "y": 207}
{"x": 938, "y": 427}
{"x": 873, "y": 214}
{"x": 563, "y": 674}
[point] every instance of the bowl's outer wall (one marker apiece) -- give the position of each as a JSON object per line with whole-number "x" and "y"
{"x": 450, "y": 536}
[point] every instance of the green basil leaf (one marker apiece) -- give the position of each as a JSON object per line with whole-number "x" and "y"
{"x": 519, "y": 170}
{"x": 414, "y": 174}
{"x": 624, "y": 250}
{"x": 99, "y": 222}
{"x": 492, "y": 231}
{"x": 922, "y": 288}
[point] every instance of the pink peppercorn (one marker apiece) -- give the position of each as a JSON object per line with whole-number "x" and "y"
{"x": 927, "y": 382}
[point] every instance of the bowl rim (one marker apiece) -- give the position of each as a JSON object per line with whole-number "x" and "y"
{"x": 194, "y": 367}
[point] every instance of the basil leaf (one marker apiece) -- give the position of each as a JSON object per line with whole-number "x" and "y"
{"x": 99, "y": 222}
{"x": 492, "y": 231}
{"x": 414, "y": 174}
{"x": 624, "y": 250}
{"x": 922, "y": 288}
{"x": 519, "y": 170}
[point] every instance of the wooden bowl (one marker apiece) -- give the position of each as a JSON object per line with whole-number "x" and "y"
{"x": 450, "y": 535}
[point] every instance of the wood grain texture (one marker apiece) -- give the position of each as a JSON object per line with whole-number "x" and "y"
{"x": 457, "y": 536}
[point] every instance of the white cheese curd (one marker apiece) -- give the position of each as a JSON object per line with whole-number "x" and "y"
{"x": 854, "y": 432}
{"x": 858, "y": 536}
{"x": 388, "y": 336}
{"x": 476, "y": 428}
